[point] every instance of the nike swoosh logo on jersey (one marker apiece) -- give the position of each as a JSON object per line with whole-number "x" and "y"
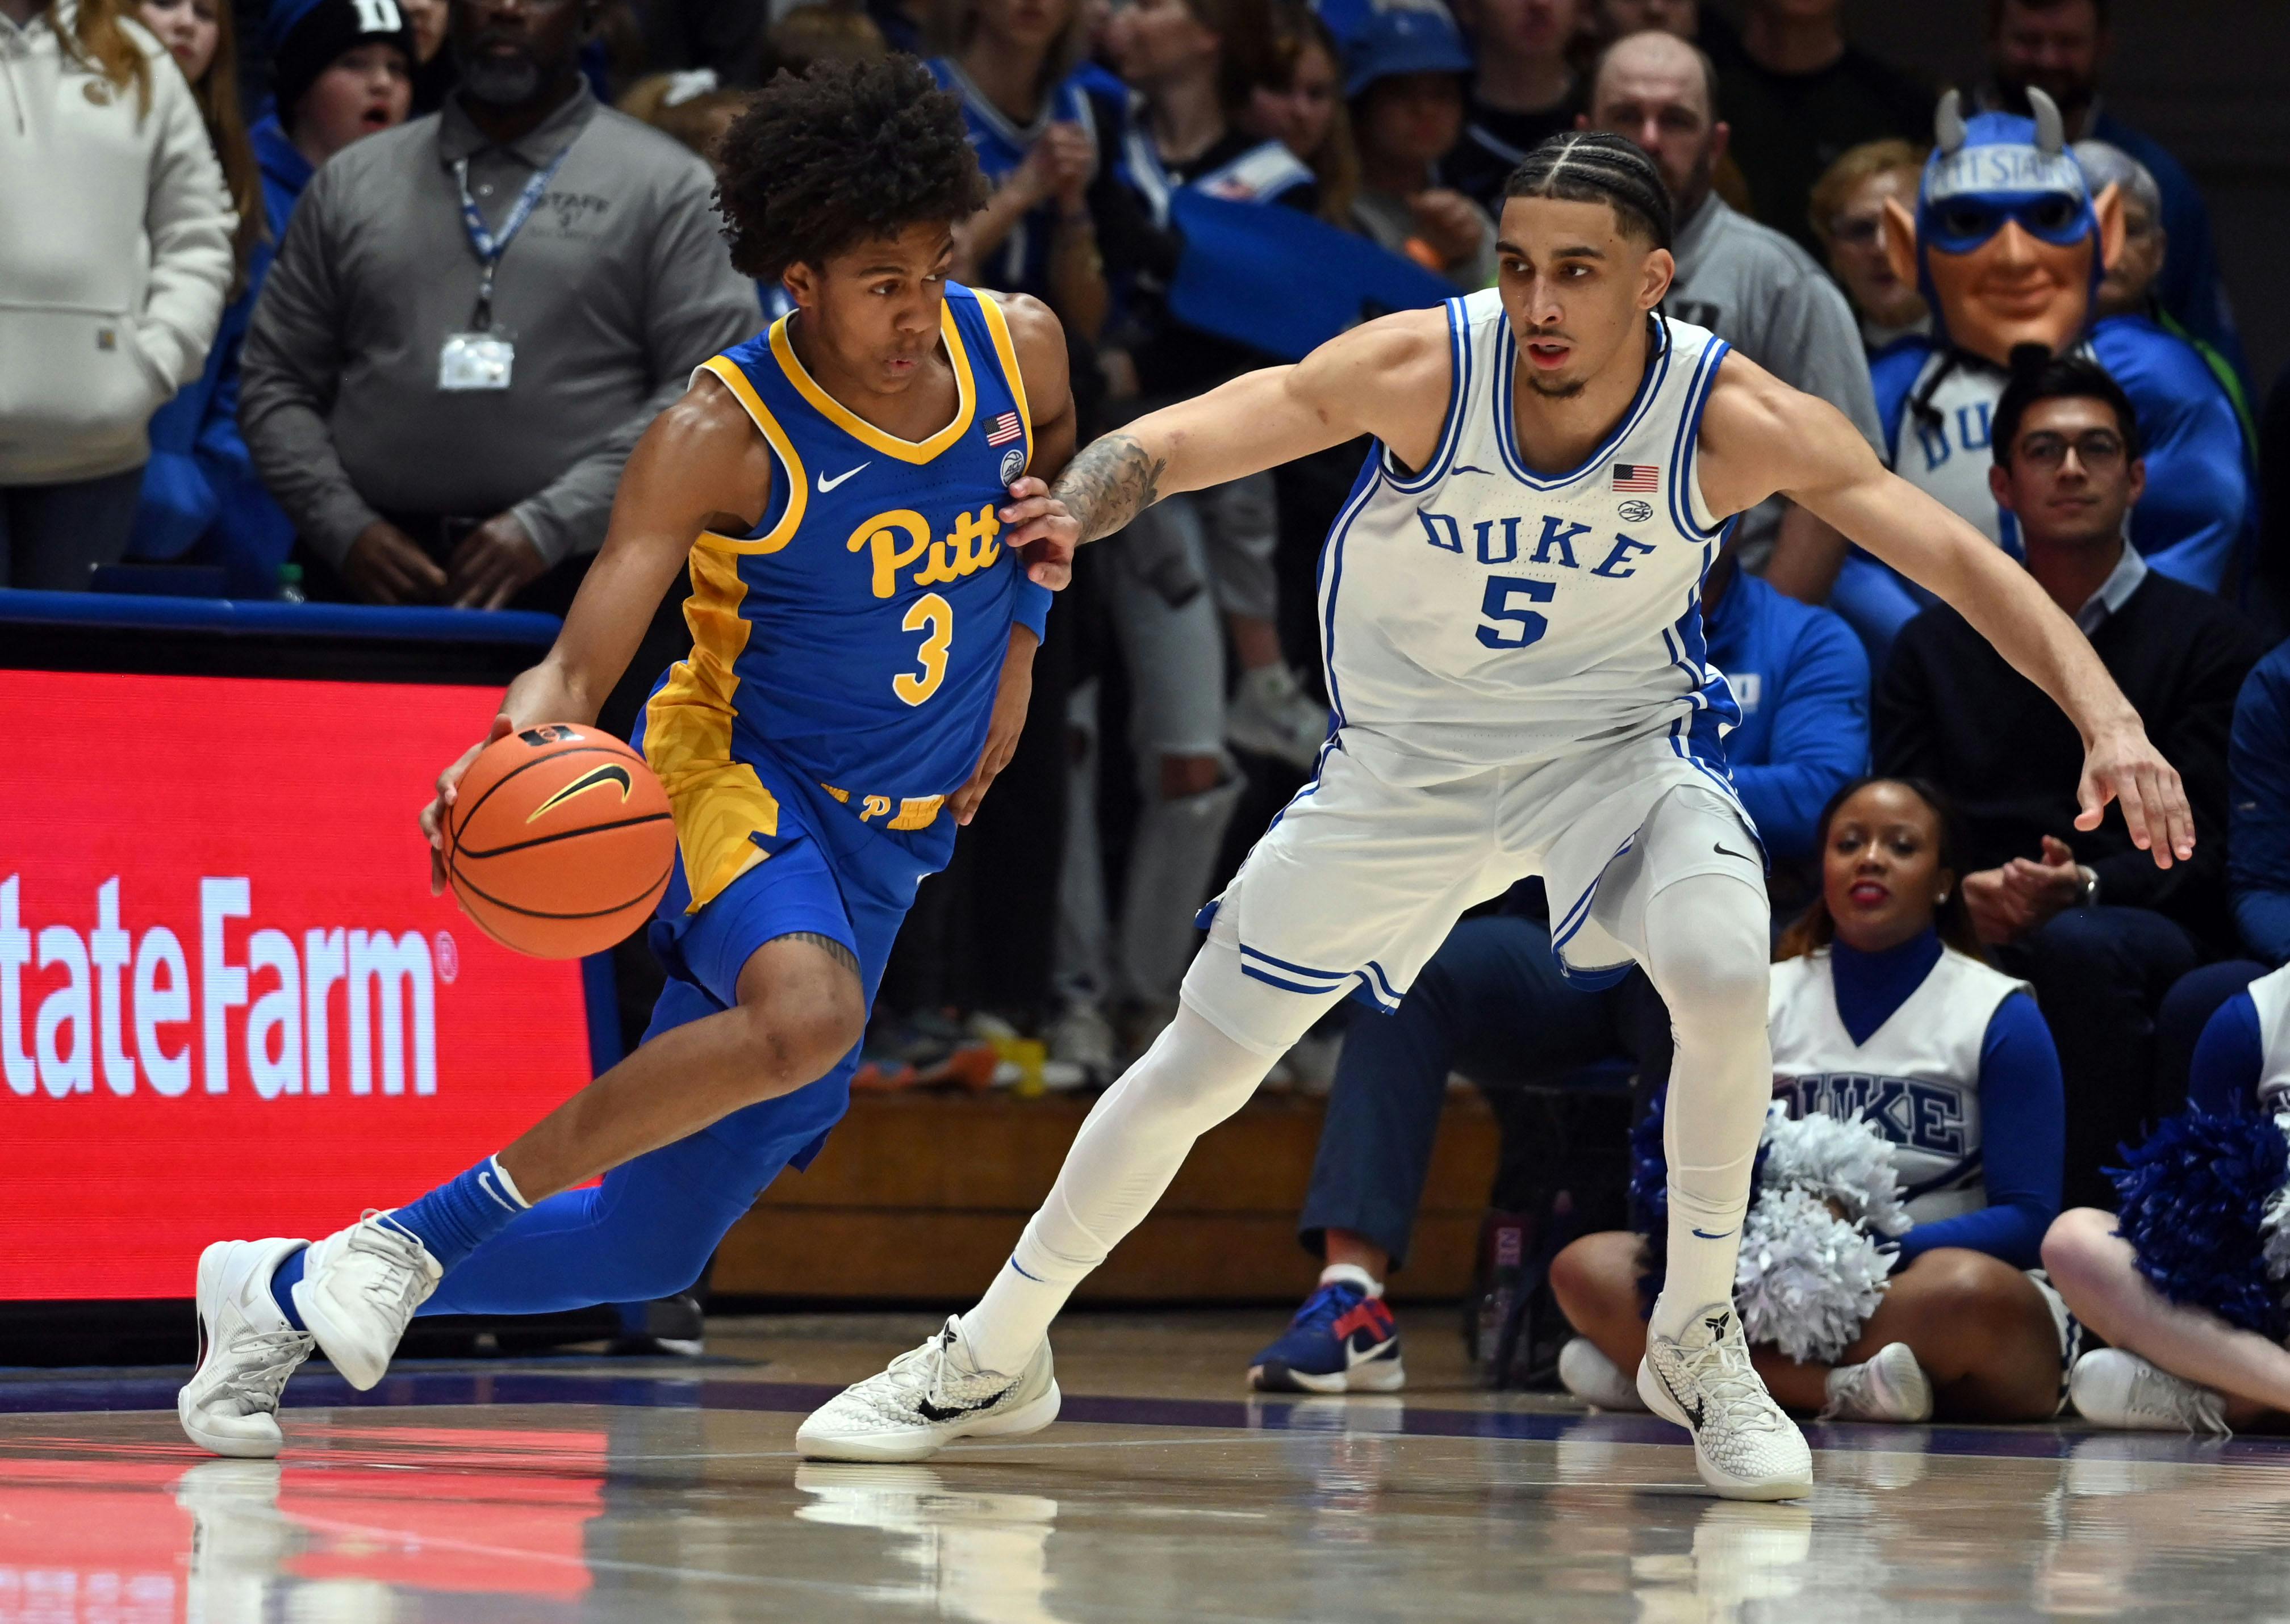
{"x": 1722, "y": 851}
{"x": 826, "y": 485}
{"x": 933, "y": 1413}
{"x": 1706, "y": 1235}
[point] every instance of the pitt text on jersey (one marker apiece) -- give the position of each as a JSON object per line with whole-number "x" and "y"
{"x": 893, "y": 540}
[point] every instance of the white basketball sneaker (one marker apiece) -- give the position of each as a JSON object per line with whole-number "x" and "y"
{"x": 1595, "y": 1378}
{"x": 2116, "y": 1388}
{"x": 925, "y": 1400}
{"x": 247, "y": 1349}
{"x": 358, "y": 1290}
{"x": 1745, "y": 1446}
{"x": 1891, "y": 1387}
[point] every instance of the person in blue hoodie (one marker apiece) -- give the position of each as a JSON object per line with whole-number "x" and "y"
{"x": 341, "y": 70}
{"x": 1492, "y": 1002}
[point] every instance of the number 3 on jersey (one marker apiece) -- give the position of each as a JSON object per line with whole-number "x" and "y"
{"x": 1514, "y": 627}
{"x": 934, "y": 614}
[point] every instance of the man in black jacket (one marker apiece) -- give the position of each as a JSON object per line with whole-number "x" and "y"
{"x": 2088, "y": 919}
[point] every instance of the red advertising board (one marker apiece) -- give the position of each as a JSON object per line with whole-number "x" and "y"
{"x": 228, "y": 1005}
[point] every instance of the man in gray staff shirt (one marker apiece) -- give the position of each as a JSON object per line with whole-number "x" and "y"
{"x": 432, "y": 444}
{"x": 1746, "y": 283}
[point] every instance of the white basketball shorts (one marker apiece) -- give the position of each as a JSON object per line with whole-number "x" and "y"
{"x": 1358, "y": 880}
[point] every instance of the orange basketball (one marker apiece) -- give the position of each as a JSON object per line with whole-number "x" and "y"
{"x": 559, "y": 842}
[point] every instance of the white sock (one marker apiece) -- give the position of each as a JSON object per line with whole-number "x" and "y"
{"x": 1128, "y": 1149}
{"x": 1353, "y": 1274}
{"x": 1706, "y": 956}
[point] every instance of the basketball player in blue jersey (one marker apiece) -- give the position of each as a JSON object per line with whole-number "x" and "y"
{"x": 862, "y": 640}
{"x": 1510, "y": 606}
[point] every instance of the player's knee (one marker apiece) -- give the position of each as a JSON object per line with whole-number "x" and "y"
{"x": 797, "y": 1040}
{"x": 1715, "y": 983}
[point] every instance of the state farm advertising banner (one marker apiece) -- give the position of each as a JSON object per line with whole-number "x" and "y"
{"x": 229, "y": 1007}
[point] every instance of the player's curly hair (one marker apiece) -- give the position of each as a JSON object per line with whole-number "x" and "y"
{"x": 848, "y": 152}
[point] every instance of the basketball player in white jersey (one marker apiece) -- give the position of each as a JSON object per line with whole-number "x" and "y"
{"x": 1510, "y": 606}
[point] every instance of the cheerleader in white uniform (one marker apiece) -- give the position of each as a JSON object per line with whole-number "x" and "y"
{"x": 2187, "y": 1282}
{"x": 1882, "y": 1011}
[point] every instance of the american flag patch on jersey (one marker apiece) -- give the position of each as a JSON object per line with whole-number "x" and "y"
{"x": 1636, "y": 477}
{"x": 1006, "y": 428}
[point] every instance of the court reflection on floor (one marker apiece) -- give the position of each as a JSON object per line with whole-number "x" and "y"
{"x": 1333, "y": 1510}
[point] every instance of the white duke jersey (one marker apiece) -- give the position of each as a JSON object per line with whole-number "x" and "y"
{"x": 2271, "y": 994}
{"x": 1478, "y": 614}
{"x": 1917, "y": 1078}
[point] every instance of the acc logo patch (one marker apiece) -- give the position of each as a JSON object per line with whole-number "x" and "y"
{"x": 1013, "y": 463}
{"x": 1636, "y": 512}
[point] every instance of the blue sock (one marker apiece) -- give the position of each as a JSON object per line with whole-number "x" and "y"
{"x": 463, "y": 1213}
{"x": 282, "y": 1287}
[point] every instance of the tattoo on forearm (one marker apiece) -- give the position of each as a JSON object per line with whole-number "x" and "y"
{"x": 1110, "y": 483}
{"x": 833, "y": 948}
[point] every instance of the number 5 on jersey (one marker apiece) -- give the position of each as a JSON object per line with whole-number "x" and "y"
{"x": 1513, "y": 627}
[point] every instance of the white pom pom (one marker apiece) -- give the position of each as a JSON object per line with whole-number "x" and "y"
{"x": 1849, "y": 1162}
{"x": 2274, "y": 1243}
{"x": 1807, "y": 1281}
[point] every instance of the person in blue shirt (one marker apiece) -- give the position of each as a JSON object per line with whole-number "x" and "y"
{"x": 340, "y": 72}
{"x": 1884, "y": 1012}
{"x": 862, "y": 658}
{"x": 1044, "y": 138}
{"x": 1493, "y": 1005}
{"x": 2173, "y": 1365}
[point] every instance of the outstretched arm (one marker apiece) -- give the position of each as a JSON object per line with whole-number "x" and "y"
{"x": 1759, "y": 436}
{"x": 1387, "y": 377}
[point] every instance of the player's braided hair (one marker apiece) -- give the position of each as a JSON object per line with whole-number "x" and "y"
{"x": 848, "y": 152}
{"x": 1592, "y": 166}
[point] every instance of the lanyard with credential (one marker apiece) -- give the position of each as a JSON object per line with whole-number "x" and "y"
{"x": 490, "y": 245}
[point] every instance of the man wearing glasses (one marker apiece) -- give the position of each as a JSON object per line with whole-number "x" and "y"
{"x": 2101, "y": 938}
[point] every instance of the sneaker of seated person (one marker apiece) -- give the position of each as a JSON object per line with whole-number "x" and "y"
{"x": 1271, "y": 715}
{"x": 1891, "y": 1387}
{"x": 1595, "y": 1378}
{"x": 1343, "y": 1340}
{"x": 2116, "y": 1388}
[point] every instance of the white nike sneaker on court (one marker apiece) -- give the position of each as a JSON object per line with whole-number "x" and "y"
{"x": 1891, "y": 1387}
{"x": 358, "y": 1290}
{"x": 925, "y": 1400}
{"x": 247, "y": 1349}
{"x": 2116, "y": 1388}
{"x": 1595, "y": 1378}
{"x": 1745, "y": 1446}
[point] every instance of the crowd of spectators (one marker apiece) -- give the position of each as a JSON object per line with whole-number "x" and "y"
{"x": 378, "y": 294}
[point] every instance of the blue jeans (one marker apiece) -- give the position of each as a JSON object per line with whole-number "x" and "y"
{"x": 1490, "y": 1004}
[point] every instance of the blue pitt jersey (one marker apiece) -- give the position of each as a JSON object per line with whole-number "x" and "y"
{"x": 856, "y": 636}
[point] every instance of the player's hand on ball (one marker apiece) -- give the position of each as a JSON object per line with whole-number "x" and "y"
{"x": 1044, "y": 534}
{"x": 433, "y": 816}
{"x": 2123, "y": 765}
